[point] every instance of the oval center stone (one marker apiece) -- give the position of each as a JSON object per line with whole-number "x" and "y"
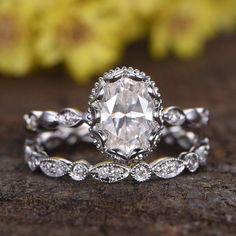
{"x": 126, "y": 115}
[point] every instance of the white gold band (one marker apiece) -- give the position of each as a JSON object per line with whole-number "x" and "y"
{"x": 197, "y": 150}
{"x": 125, "y": 120}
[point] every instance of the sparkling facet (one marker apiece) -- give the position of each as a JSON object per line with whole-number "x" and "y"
{"x": 205, "y": 116}
{"x": 79, "y": 170}
{"x": 141, "y": 172}
{"x": 126, "y": 115}
{"x": 167, "y": 168}
{"x": 192, "y": 162}
{"x": 31, "y": 120}
{"x": 33, "y": 158}
{"x": 32, "y": 162}
{"x": 110, "y": 172}
{"x": 174, "y": 116}
{"x": 69, "y": 117}
{"x": 55, "y": 167}
{"x": 202, "y": 153}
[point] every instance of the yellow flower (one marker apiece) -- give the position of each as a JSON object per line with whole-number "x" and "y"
{"x": 225, "y": 11}
{"x": 143, "y": 9}
{"x": 182, "y": 26}
{"x": 16, "y": 57}
{"x": 135, "y": 16}
{"x": 85, "y": 36}
{"x": 89, "y": 36}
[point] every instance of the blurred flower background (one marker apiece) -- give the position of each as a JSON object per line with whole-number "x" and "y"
{"x": 87, "y": 36}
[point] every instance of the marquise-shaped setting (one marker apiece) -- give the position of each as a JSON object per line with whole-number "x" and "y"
{"x": 110, "y": 172}
{"x": 69, "y": 117}
{"x": 167, "y": 167}
{"x": 55, "y": 166}
{"x": 127, "y": 114}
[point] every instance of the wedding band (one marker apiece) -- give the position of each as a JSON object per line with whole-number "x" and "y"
{"x": 125, "y": 120}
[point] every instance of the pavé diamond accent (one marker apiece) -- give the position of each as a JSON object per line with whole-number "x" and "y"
{"x": 141, "y": 172}
{"x": 125, "y": 120}
{"x": 205, "y": 116}
{"x": 79, "y": 170}
{"x": 202, "y": 153}
{"x": 32, "y": 162}
{"x": 167, "y": 167}
{"x": 124, "y": 114}
{"x": 174, "y": 116}
{"x": 34, "y": 159}
{"x": 110, "y": 172}
{"x": 191, "y": 160}
{"x": 197, "y": 117}
{"x": 69, "y": 117}
{"x": 55, "y": 167}
{"x": 31, "y": 120}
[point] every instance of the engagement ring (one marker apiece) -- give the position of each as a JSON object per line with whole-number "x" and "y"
{"x": 125, "y": 120}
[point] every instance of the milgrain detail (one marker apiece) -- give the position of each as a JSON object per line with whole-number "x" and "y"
{"x": 125, "y": 120}
{"x": 111, "y": 171}
{"x": 167, "y": 167}
{"x": 55, "y": 166}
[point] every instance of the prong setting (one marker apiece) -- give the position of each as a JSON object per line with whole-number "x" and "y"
{"x": 125, "y": 120}
{"x": 94, "y": 112}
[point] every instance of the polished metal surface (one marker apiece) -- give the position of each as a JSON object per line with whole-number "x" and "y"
{"x": 173, "y": 124}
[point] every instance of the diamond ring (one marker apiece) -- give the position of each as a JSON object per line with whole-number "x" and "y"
{"x": 125, "y": 120}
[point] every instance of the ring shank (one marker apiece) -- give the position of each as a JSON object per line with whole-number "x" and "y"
{"x": 196, "y": 150}
{"x": 39, "y": 121}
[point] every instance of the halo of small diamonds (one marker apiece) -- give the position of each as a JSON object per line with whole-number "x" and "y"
{"x": 125, "y": 101}
{"x": 126, "y": 121}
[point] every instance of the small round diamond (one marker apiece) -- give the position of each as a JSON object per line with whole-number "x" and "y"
{"x": 32, "y": 120}
{"x": 174, "y": 116}
{"x": 80, "y": 170}
{"x": 205, "y": 116}
{"x": 202, "y": 153}
{"x": 192, "y": 162}
{"x": 33, "y": 158}
{"x": 141, "y": 172}
{"x": 32, "y": 162}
